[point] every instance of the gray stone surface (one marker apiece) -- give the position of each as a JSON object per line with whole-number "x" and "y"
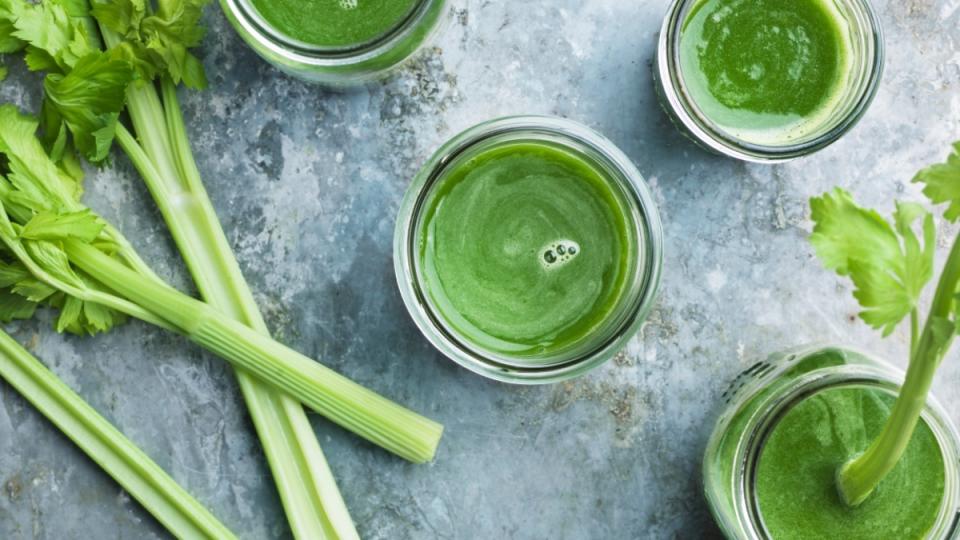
{"x": 307, "y": 183}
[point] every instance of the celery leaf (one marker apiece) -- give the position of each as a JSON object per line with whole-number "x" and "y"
{"x": 942, "y": 183}
{"x": 36, "y": 180}
{"x": 33, "y": 290}
{"x": 9, "y": 43}
{"x": 89, "y": 99}
{"x": 13, "y": 306}
{"x": 11, "y": 274}
{"x": 121, "y": 16}
{"x": 83, "y": 225}
{"x": 55, "y": 39}
{"x": 887, "y": 264}
{"x": 53, "y": 260}
{"x": 39, "y": 210}
{"x": 158, "y": 43}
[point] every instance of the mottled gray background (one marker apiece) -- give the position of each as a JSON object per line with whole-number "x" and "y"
{"x": 307, "y": 183}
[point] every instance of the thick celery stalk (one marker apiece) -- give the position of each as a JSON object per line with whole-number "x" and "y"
{"x": 313, "y": 504}
{"x": 346, "y": 403}
{"x": 143, "y": 479}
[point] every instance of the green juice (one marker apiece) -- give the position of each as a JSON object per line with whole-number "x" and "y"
{"x": 765, "y": 71}
{"x": 335, "y": 23}
{"x": 770, "y": 466}
{"x": 795, "y": 477}
{"x": 526, "y": 249}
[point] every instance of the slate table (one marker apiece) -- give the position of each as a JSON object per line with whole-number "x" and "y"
{"x": 307, "y": 183}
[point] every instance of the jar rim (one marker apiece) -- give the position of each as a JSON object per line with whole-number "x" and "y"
{"x": 644, "y": 218}
{"x": 668, "y": 78}
{"x": 879, "y": 375}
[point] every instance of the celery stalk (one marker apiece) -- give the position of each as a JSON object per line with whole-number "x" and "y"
{"x": 857, "y": 478}
{"x": 346, "y": 403}
{"x": 307, "y": 488}
{"x": 143, "y": 479}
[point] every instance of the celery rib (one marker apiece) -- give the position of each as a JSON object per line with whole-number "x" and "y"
{"x": 857, "y": 478}
{"x": 307, "y": 488}
{"x": 140, "y": 476}
{"x": 346, "y": 403}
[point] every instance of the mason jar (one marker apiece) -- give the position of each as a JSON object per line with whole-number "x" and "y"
{"x": 761, "y": 396}
{"x": 865, "y": 48}
{"x": 341, "y": 65}
{"x": 641, "y": 279}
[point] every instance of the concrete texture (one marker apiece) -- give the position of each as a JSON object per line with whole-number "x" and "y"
{"x": 307, "y": 183}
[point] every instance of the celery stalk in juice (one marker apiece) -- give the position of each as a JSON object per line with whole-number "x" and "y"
{"x": 795, "y": 476}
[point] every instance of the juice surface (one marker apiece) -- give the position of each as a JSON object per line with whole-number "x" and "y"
{"x": 766, "y": 71}
{"x": 525, "y": 249}
{"x": 334, "y": 23}
{"x": 796, "y": 490}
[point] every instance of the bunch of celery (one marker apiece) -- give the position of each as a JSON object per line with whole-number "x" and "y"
{"x": 86, "y": 88}
{"x": 146, "y": 482}
{"x": 890, "y": 266}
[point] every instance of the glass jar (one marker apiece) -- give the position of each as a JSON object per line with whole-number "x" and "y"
{"x": 641, "y": 281}
{"x": 342, "y": 65}
{"x": 866, "y": 49}
{"x": 761, "y": 395}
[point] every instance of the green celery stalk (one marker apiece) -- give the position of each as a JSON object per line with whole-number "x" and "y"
{"x": 143, "y": 479}
{"x": 346, "y": 403}
{"x": 857, "y": 478}
{"x": 307, "y": 488}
